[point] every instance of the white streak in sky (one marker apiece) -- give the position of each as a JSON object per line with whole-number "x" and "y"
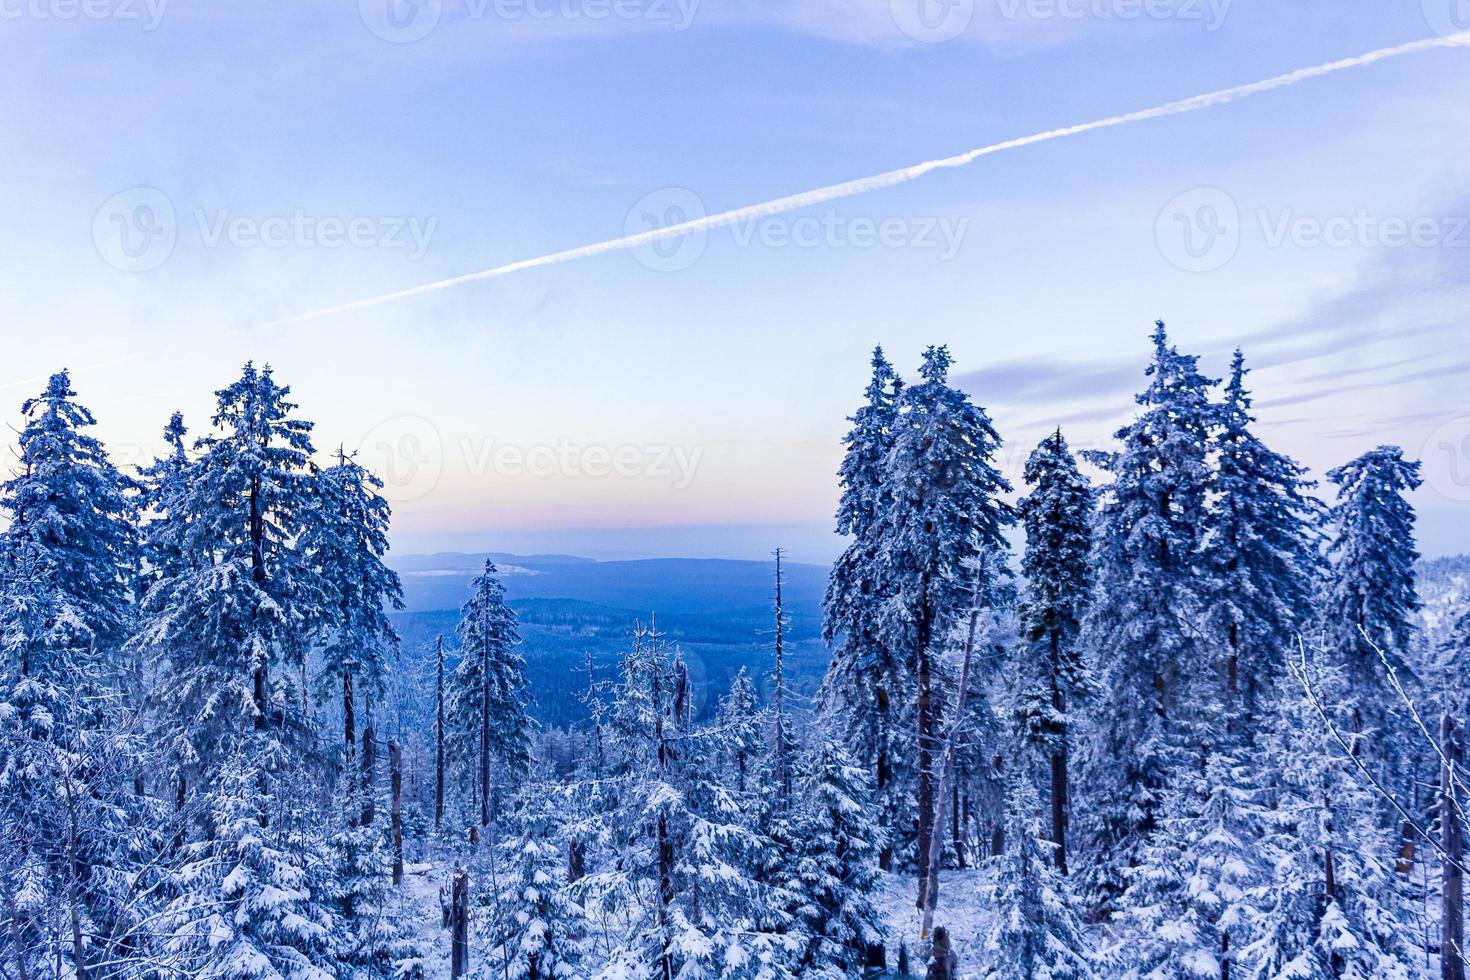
{"x": 862, "y": 185}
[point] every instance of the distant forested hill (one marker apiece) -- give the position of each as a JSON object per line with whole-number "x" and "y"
{"x": 718, "y": 612}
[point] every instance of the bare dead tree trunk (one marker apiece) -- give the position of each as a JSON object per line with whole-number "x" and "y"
{"x": 778, "y": 697}
{"x": 12, "y": 913}
{"x": 484, "y": 727}
{"x": 1452, "y": 892}
{"x": 395, "y": 820}
{"x": 439, "y": 738}
{"x": 73, "y": 890}
{"x": 459, "y": 925}
{"x": 929, "y": 893}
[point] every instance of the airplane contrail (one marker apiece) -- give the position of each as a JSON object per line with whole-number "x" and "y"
{"x": 890, "y": 178}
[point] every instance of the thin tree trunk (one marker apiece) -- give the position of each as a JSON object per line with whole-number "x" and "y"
{"x": 957, "y": 829}
{"x": 349, "y": 739}
{"x": 395, "y": 822}
{"x": 484, "y": 727}
{"x": 1059, "y": 786}
{"x": 12, "y": 913}
{"x": 459, "y": 918}
{"x": 925, "y": 758}
{"x": 884, "y": 777}
{"x": 260, "y": 681}
{"x": 369, "y": 773}
{"x": 778, "y": 699}
{"x": 930, "y": 892}
{"x": 439, "y": 738}
{"x": 1452, "y": 892}
{"x": 73, "y": 892}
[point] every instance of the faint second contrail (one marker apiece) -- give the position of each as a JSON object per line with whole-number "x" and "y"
{"x": 878, "y": 181}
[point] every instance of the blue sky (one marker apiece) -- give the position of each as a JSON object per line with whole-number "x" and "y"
{"x": 269, "y": 159}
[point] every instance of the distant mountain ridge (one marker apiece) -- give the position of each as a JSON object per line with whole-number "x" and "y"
{"x": 664, "y": 585}
{"x": 718, "y": 612}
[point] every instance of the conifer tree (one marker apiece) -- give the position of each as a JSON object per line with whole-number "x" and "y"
{"x": 1262, "y": 556}
{"x": 1057, "y": 516}
{"x": 1370, "y": 602}
{"x": 1189, "y": 902}
{"x": 69, "y": 748}
{"x": 1035, "y": 934}
{"x": 945, "y": 511}
{"x": 489, "y": 696}
{"x": 237, "y": 610}
{"x": 248, "y": 907}
{"x": 542, "y": 933}
{"x": 738, "y": 725}
{"x": 865, "y": 679}
{"x": 345, "y": 543}
{"x": 1332, "y": 906}
{"x": 677, "y": 837}
{"x": 67, "y": 558}
{"x": 1146, "y": 632}
{"x": 835, "y": 868}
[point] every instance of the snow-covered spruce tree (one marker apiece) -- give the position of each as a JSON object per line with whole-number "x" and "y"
{"x": 865, "y": 680}
{"x": 944, "y": 510}
{"x": 1057, "y": 516}
{"x": 1189, "y": 903}
{"x": 1263, "y": 555}
{"x": 679, "y": 854}
{"x": 69, "y": 752}
{"x": 835, "y": 866}
{"x": 345, "y": 542}
{"x": 234, "y": 613}
{"x": 1370, "y": 599}
{"x": 738, "y": 733}
{"x": 541, "y": 932}
{"x": 783, "y": 741}
{"x": 1035, "y": 934}
{"x": 67, "y": 557}
{"x": 488, "y": 696}
{"x": 1332, "y": 905}
{"x": 1146, "y": 632}
{"x": 247, "y": 907}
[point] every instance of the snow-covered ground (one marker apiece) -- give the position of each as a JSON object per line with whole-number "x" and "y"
{"x": 964, "y": 909}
